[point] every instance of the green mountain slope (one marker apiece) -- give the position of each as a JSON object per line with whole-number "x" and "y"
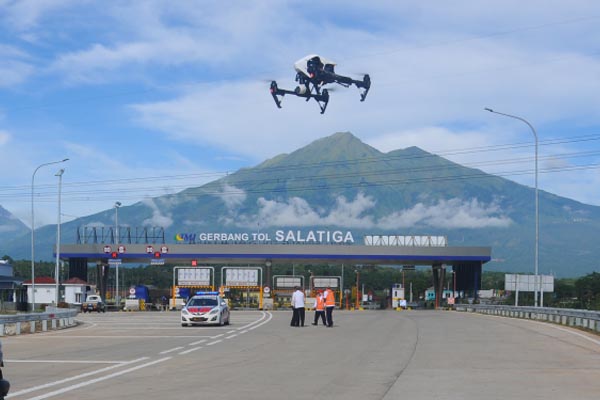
{"x": 340, "y": 182}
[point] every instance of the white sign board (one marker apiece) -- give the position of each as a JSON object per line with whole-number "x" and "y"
{"x": 241, "y": 277}
{"x": 406, "y": 240}
{"x": 321, "y": 282}
{"x": 527, "y": 283}
{"x": 287, "y": 282}
{"x": 193, "y": 276}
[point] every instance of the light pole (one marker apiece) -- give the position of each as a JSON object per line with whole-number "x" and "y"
{"x": 117, "y": 205}
{"x": 33, "y": 232}
{"x": 537, "y": 208}
{"x": 56, "y": 271}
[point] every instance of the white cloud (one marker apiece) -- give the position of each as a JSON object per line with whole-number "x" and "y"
{"x": 4, "y": 137}
{"x": 450, "y": 214}
{"x": 232, "y": 196}
{"x": 158, "y": 218}
{"x": 453, "y": 213}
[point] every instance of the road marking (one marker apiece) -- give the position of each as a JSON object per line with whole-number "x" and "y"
{"x": 171, "y": 350}
{"x": 215, "y": 342}
{"x": 66, "y": 361}
{"x": 190, "y": 350}
{"x": 98, "y": 371}
{"x": 198, "y": 342}
{"x": 103, "y": 378}
{"x": 130, "y": 337}
{"x": 231, "y": 336}
{"x": 230, "y": 332}
{"x": 216, "y": 336}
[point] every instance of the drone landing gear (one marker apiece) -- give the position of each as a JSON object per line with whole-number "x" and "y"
{"x": 321, "y": 98}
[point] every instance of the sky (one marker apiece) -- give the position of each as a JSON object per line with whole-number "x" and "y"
{"x": 150, "y": 97}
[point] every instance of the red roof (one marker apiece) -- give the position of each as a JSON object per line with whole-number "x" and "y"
{"x": 75, "y": 281}
{"x": 41, "y": 280}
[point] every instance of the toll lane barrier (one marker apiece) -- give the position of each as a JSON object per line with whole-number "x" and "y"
{"x": 37, "y": 322}
{"x": 570, "y": 317}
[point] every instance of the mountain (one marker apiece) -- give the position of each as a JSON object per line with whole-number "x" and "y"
{"x": 10, "y": 227}
{"x": 339, "y": 182}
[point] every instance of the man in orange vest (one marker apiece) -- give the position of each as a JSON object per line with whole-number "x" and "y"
{"x": 329, "y": 306}
{"x": 320, "y": 308}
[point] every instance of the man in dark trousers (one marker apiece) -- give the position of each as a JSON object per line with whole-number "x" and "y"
{"x": 329, "y": 296}
{"x": 298, "y": 307}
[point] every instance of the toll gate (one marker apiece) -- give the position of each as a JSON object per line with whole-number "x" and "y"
{"x": 466, "y": 262}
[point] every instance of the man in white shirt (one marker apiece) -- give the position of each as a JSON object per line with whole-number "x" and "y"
{"x": 298, "y": 307}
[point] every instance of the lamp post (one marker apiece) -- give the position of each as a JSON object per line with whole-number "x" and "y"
{"x": 56, "y": 271}
{"x": 537, "y": 209}
{"x": 33, "y": 231}
{"x": 117, "y": 205}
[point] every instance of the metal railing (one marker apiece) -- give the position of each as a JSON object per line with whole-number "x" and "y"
{"x": 53, "y": 318}
{"x": 564, "y": 316}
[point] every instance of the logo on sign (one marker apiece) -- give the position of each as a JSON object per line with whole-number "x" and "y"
{"x": 107, "y": 249}
{"x": 185, "y": 237}
{"x": 164, "y": 249}
{"x": 149, "y": 249}
{"x": 121, "y": 249}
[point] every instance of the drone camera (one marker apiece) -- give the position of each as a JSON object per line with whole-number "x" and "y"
{"x": 300, "y": 90}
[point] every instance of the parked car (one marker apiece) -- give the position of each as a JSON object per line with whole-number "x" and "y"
{"x": 93, "y": 303}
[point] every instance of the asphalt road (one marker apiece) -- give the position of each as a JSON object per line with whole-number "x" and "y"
{"x": 366, "y": 355}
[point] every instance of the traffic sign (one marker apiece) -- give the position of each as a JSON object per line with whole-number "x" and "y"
{"x": 114, "y": 261}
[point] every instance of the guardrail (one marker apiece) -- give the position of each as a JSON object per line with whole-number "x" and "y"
{"x": 52, "y": 319}
{"x": 563, "y": 316}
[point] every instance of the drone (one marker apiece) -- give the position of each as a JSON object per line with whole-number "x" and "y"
{"x": 312, "y": 73}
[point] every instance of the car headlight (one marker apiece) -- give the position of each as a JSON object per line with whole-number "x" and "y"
{"x": 214, "y": 311}
{"x": 185, "y": 311}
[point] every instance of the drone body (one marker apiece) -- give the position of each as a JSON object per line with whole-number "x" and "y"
{"x": 312, "y": 73}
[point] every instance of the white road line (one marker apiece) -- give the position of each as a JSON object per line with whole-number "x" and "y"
{"x": 216, "y": 336}
{"x": 246, "y": 331}
{"x": 231, "y": 336}
{"x": 131, "y": 337}
{"x": 198, "y": 342}
{"x": 230, "y": 332}
{"x": 171, "y": 350}
{"x": 98, "y": 371}
{"x": 103, "y": 378}
{"x": 190, "y": 350}
{"x": 215, "y": 342}
{"x": 66, "y": 361}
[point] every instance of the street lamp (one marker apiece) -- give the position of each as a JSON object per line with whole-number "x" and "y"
{"x": 33, "y": 232}
{"x": 56, "y": 271}
{"x": 537, "y": 209}
{"x": 117, "y": 205}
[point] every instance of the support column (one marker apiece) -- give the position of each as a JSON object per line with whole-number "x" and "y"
{"x": 439, "y": 276}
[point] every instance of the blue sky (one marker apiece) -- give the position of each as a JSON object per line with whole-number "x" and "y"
{"x": 156, "y": 96}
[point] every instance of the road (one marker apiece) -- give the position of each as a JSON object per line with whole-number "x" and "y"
{"x": 366, "y": 355}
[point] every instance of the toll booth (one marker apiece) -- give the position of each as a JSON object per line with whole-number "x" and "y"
{"x": 323, "y": 282}
{"x": 243, "y": 286}
{"x": 189, "y": 280}
{"x": 397, "y": 295}
{"x": 283, "y": 287}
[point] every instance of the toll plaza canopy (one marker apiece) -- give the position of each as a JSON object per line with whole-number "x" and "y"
{"x": 279, "y": 253}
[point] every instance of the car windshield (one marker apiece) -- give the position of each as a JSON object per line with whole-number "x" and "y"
{"x": 203, "y": 302}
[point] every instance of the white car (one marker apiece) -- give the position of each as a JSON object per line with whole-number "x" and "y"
{"x": 205, "y": 308}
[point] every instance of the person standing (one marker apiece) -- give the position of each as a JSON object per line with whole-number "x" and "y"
{"x": 298, "y": 306}
{"x": 319, "y": 308}
{"x": 329, "y": 296}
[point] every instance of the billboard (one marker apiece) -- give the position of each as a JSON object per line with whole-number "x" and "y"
{"x": 527, "y": 283}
